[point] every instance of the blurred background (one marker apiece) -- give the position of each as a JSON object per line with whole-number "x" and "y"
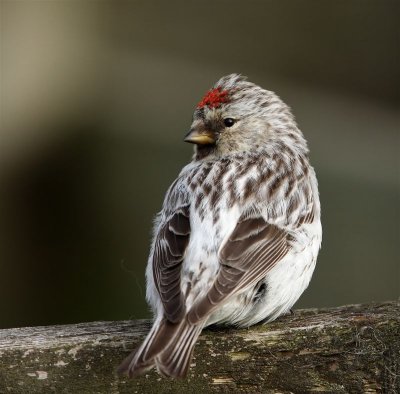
{"x": 96, "y": 97}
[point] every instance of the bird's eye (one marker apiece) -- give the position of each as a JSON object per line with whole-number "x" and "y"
{"x": 229, "y": 122}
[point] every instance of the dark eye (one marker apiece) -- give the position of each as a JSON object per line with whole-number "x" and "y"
{"x": 229, "y": 122}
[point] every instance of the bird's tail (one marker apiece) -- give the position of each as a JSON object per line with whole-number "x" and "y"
{"x": 168, "y": 346}
{"x": 175, "y": 359}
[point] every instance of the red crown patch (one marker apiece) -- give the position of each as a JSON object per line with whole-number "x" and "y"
{"x": 214, "y": 98}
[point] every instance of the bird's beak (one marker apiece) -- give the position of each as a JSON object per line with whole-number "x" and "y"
{"x": 200, "y": 137}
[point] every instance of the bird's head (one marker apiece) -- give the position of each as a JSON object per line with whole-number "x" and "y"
{"x": 239, "y": 116}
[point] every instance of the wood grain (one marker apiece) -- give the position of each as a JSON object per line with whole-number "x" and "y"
{"x": 350, "y": 349}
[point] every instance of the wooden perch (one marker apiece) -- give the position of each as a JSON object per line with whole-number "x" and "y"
{"x": 351, "y": 349}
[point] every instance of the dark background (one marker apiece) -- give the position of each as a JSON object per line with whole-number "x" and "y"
{"x": 96, "y": 97}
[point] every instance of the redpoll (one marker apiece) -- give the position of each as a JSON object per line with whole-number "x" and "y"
{"x": 239, "y": 232}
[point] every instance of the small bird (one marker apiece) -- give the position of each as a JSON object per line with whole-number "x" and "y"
{"x": 237, "y": 239}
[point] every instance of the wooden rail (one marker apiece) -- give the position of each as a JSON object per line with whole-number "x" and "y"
{"x": 350, "y": 349}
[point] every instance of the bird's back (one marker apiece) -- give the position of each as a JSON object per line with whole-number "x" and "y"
{"x": 219, "y": 193}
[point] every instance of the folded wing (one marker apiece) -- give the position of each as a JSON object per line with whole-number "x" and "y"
{"x": 169, "y": 251}
{"x": 253, "y": 248}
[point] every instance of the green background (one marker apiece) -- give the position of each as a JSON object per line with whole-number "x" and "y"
{"x": 96, "y": 97}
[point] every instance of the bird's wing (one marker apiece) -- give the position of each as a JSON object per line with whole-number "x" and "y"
{"x": 169, "y": 249}
{"x": 253, "y": 248}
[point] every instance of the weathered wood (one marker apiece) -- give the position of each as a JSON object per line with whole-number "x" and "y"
{"x": 351, "y": 349}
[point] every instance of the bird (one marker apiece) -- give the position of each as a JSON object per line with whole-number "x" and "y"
{"x": 237, "y": 238}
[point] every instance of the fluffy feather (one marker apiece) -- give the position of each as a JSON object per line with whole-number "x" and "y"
{"x": 237, "y": 239}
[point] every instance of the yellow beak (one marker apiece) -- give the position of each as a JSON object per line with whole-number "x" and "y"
{"x": 202, "y": 137}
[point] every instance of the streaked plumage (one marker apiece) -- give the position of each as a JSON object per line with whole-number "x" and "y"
{"x": 238, "y": 235}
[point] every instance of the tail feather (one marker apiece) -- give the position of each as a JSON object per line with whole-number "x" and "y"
{"x": 168, "y": 346}
{"x": 126, "y": 365}
{"x": 174, "y": 360}
{"x": 143, "y": 358}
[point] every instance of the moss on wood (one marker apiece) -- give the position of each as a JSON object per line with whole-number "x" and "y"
{"x": 351, "y": 349}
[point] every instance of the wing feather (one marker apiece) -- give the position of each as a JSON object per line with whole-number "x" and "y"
{"x": 169, "y": 251}
{"x": 253, "y": 248}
